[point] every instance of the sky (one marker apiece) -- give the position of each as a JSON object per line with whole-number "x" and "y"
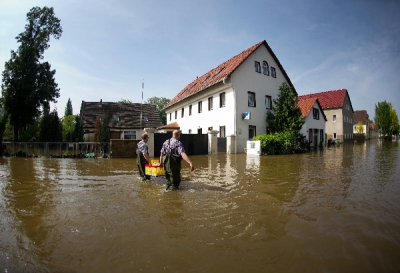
{"x": 109, "y": 48}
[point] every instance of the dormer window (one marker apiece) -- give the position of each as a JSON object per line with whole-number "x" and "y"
{"x": 257, "y": 67}
{"x": 265, "y": 68}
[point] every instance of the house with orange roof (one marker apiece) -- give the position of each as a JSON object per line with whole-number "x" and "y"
{"x": 232, "y": 99}
{"x": 314, "y": 120}
{"x": 339, "y": 113}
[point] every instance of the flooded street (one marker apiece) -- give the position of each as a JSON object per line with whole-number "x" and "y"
{"x": 335, "y": 210}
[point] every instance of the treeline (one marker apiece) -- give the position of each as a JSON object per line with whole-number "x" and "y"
{"x": 47, "y": 128}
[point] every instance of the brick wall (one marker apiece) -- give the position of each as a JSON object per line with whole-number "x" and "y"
{"x": 123, "y": 148}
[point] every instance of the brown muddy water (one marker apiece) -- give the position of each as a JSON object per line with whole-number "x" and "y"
{"x": 336, "y": 210}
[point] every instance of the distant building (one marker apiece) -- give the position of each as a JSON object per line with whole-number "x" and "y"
{"x": 124, "y": 120}
{"x": 363, "y": 117}
{"x": 231, "y": 99}
{"x": 314, "y": 120}
{"x": 338, "y": 111}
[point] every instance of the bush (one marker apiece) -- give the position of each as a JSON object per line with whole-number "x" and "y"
{"x": 278, "y": 143}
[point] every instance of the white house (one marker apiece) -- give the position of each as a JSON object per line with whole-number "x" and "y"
{"x": 232, "y": 98}
{"x": 314, "y": 120}
{"x": 339, "y": 112}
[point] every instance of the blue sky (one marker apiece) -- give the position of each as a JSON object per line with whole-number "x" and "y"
{"x": 109, "y": 47}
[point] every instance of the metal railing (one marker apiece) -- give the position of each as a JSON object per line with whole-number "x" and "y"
{"x": 56, "y": 149}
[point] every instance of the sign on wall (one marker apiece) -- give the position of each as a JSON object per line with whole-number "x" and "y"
{"x": 246, "y": 115}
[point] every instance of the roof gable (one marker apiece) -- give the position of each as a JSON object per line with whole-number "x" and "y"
{"x": 306, "y": 104}
{"x": 221, "y": 72}
{"x": 329, "y": 99}
{"x": 120, "y": 115}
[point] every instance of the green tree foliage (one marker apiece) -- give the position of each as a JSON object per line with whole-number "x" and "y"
{"x": 78, "y": 133}
{"x": 68, "y": 127}
{"x": 383, "y": 118}
{"x": 160, "y": 104}
{"x": 50, "y": 127}
{"x": 28, "y": 84}
{"x": 287, "y": 115}
{"x": 124, "y": 101}
{"x": 103, "y": 135}
{"x": 394, "y": 121}
{"x": 68, "y": 109}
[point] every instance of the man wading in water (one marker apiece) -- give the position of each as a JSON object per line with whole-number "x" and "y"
{"x": 142, "y": 152}
{"x": 171, "y": 156}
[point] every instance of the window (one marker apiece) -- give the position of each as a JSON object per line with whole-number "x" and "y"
{"x": 334, "y": 118}
{"x": 321, "y": 135}
{"x": 222, "y": 100}
{"x": 190, "y": 110}
{"x": 268, "y": 102}
{"x": 251, "y": 99}
{"x": 265, "y": 68}
{"x": 210, "y": 103}
{"x": 257, "y": 67}
{"x": 200, "y": 107}
{"x": 334, "y": 135}
{"x": 170, "y": 117}
{"x": 182, "y": 112}
{"x": 176, "y": 114}
{"x": 252, "y": 131}
{"x": 273, "y": 72}
{"x": 222, "y": 131}
{"x": 315, "y": 113}
{"x": 117, "y": 118}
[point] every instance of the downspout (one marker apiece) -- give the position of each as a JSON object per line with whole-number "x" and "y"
{"x": 234, "y": 108}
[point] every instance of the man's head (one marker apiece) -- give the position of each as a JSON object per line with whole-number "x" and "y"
{"x": 176, "y": 134}
{"x": 145, "y": 137}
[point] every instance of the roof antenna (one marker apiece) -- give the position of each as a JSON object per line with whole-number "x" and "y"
{"x": 141, "y": 105}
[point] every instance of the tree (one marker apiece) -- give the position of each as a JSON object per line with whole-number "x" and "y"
{"x": 394, "y": 121}
{"x": 28, "y": 84}
{"x": 360, "y": 128}
{"x": 68, "y": 127}
{"x": 78, "y": 133}
{"x": 287, "y": 115}
{"x": 160, "y": 104}
{"x": 50, "y": 127}
{"x": 68, "y": 109}
{"x": 124, "y": 101}
{"x": 382, "y": 118}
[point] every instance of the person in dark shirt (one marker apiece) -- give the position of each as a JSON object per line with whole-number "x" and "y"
{"x": 142, "y": 152}
{"x": 171, "y": 155}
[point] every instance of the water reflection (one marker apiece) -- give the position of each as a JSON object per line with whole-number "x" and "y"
{"x": 333, "y": 210}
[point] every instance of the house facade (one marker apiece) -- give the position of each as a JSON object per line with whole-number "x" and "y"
{"x": 338, "y": 110}
{"x": 231, "y": 99}
{"x": 124, "y": 120}
{"x": 314, "y": 121}
{"x": 361, "y": 117}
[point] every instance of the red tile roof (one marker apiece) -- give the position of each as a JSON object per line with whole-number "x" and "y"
{"x": 306, "y": 104}
{"x": 329, "y": 99}
{"x": 222, "y": 71}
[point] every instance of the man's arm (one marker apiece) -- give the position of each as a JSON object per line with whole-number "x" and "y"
{"x": 186, "y": 158}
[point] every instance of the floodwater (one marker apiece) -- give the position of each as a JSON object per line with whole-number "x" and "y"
{"x": 336, "y": 210}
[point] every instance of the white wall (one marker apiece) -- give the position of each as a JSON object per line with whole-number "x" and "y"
{"x": 245, "y": 79}
{"x": 311, "y": 123}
